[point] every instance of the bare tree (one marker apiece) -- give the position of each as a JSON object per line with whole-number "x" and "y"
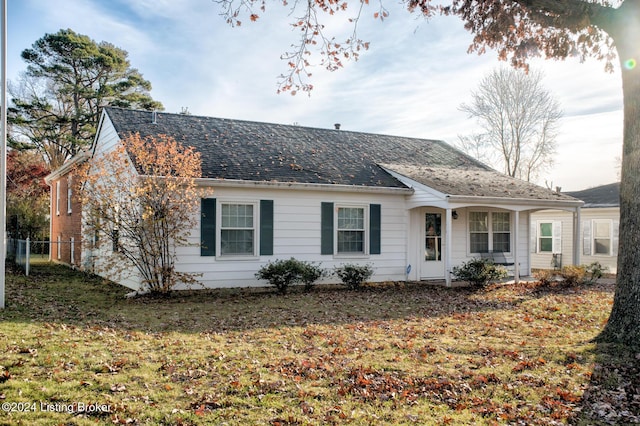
{"x": 517, "y": 30}
{"x": 519, "y": 118}
{"x": 476, "y": 146}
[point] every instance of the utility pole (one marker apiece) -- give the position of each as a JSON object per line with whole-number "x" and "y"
{"x": 3, "y": 154}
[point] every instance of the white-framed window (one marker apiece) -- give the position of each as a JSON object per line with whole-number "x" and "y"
{"x": 238, "y": 224}
{"x": 602, "y": 237}
{"x": 59, "y": 248}
{"x": 489, "y": 231}
{"x": 501, "y": 228}
{"x": 233, "y": 229}
{"x": 58, "y": 198}
{"x": 351, "y": 230}
{"x": 545, "y": 237}
{"x": 69, "y": 193}
{"x": 549, "y": 237}
{"x": 478, "y": 232}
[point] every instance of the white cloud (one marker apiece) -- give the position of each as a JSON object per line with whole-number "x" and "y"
{"x": 411, "y": 82}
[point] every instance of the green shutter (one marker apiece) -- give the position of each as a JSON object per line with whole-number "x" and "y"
{"x": 326, "y": 228}
{"x": 374, "y": 229}
{"x": 208, "y": 227}
{"x": 266, "y": 227}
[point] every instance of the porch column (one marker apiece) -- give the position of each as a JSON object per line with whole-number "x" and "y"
{"x": 447, "y": 251}
{"x": 516, "y": 259}
{"x": 576, "y": 236}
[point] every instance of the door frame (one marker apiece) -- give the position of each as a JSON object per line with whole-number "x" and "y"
{"x": 430, "y": 270}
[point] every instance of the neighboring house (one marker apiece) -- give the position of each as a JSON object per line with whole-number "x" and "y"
{"x": 411, "y": 208}
{"x": 66, "y": 213}
{"x": 552, "y": 242}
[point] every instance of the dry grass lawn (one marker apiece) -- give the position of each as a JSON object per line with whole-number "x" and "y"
{"x": 74, "y": 351}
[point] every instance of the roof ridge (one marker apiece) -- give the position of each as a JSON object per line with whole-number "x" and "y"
{"x": 293, "y": 126}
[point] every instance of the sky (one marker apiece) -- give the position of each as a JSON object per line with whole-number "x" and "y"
{"x": 411, "y": 81}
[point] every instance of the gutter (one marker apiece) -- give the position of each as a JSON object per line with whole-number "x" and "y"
{"x": 601, "y": 206}
{"x": 66, "y": 167}
{"x": 507, "y": 201}
{"x": 234, "y": 183}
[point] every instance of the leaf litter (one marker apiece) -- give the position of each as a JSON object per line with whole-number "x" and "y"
{"x": 394, "y": 353}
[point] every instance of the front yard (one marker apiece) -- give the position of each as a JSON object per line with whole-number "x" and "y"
{"x": 73, "y": 350}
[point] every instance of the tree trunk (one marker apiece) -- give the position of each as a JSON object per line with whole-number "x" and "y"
{"x": 624, "y": 322}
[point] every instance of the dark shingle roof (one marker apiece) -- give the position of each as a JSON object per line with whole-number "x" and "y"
{"x": 599, "y": 196}
{"x": 253, "y": 151}
{"x": 244, "y": 150}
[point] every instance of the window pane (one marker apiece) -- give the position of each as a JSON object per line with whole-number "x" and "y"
{"x": 501, "y": 242}
{"x": 602, "y": 246}
{"x": 237, "y": 216}
{"x": 350, "y": 218}
{"x": 478, "y": 221}
{"x": 236, "y": 233}
{"x": 433, "y": 240}
{"x": 433, "y": 248}
{"x": 501, "y": 221}
{"x": 350, "y": 241}
{"x": 433, "y": 224}
{"x": 479, "y": 242}
{"x": 546, "y": 230}
{"x": 546, "y": 244}
{"x": 601, "y": 230}
{"x": 236, "y": 241}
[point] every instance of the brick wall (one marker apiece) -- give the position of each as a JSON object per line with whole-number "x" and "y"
{"x": 66, "y": 222}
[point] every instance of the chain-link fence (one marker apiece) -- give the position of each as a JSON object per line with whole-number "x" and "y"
{"x": 26, "y": 252}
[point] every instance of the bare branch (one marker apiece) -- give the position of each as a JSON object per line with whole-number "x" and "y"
{"x": 519, "y": 118}
{"x": 142, "y": 197}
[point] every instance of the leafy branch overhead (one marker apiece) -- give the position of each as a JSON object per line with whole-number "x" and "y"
{"x": 308, "y": 21}
{"x": 516, "y": 29}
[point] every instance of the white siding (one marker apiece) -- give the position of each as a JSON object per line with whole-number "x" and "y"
{"x": 93, "y": 258}
{"x": 423, "y": 195}
{"x": 296, "y": 234}
{"x": 610, "y": 214}
{"x": 565, "y": 218}
{"x": 460, "y": 240}
{"x": 543, "y": 260}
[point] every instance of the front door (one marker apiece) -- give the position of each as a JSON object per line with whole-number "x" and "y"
{"x": 432, "y": 259}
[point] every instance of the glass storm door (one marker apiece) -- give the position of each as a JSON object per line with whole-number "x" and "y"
{"x": 432, "y": 264}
